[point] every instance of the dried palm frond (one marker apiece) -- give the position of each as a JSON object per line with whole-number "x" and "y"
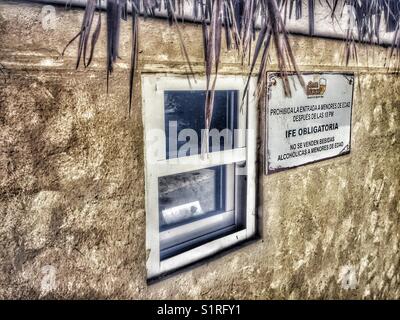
{"x": 172, "y": 14}
{"x": 394, "y": 52}
{"x": 298, "y": 5}
{"x": 212, "y": 49}
{"x": 284, "y": 53}
{"x": 84, "y": 33}
{"x": 116, "y": 10}
{"x": 391, "y": 10}
{"x": 273, "y": 27}
{"x": 241, "y": 22}
{"x": 134, "y": 52}
{"x": 238, "y": 17}
{"x": 311, "y": 14}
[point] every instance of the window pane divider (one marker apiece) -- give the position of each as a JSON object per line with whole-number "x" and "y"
{"x": 168, "y": 167}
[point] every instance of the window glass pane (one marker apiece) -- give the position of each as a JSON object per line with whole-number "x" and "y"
{"x": 199, "y": 206}
{"x": 192, "y": 195}
{"x": 185, "y": 110}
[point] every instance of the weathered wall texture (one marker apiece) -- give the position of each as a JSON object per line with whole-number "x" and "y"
{"x": 72, "y": 219}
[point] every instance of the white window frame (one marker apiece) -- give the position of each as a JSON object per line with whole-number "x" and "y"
{"x": 156, "y": 164}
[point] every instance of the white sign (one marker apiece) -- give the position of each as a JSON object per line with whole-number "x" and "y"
{"x": 311, "y": 125}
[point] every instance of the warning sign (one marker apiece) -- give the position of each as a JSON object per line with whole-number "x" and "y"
{"x": 311, "y": 125}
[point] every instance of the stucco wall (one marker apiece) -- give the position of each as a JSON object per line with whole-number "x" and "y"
{"x": 72, "y": 218}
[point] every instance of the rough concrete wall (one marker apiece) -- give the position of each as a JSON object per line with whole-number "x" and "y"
{"x": 71, "y": 173}
{"x": 72, "y": 219}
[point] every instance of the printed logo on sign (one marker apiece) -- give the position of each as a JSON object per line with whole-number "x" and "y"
{"x": 316, "y": 88}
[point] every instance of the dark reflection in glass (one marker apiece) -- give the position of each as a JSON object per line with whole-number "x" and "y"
{"x": 185, "y": 110}
{"x": 191, "y": 195}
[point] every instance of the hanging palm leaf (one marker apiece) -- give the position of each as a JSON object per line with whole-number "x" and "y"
{"x": 116, "y": 10}
{"x": 242, "y": 23}
{"x": 134, "y": 52}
